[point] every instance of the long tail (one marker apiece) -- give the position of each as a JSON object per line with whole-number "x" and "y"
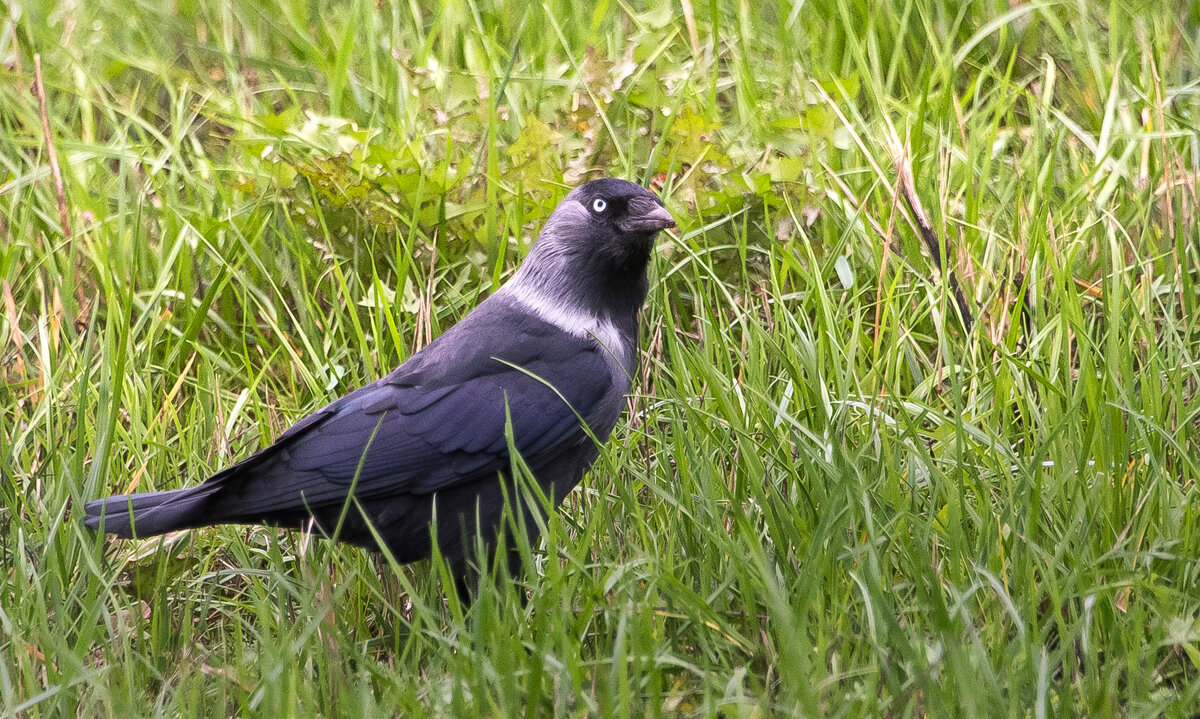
{"x": 151, "y": 513}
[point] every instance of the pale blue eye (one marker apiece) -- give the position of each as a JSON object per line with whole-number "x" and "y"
{"x": 599, "y": 205}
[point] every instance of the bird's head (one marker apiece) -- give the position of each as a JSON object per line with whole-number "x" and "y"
{"x": 619, "y": 213}
{"x": 596, "y": 245}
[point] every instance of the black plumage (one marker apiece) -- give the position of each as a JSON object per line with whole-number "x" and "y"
{"x": 554, "y": 345}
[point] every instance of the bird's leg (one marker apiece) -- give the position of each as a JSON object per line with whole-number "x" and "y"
{"x": 463, "y": 581}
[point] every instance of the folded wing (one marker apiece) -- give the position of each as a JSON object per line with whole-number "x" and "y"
{"x": 425, "y": 428}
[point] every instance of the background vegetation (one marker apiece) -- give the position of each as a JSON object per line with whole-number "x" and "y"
{"x": 829, "y": 497}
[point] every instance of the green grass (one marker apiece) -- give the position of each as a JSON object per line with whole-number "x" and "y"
{"x": 827, "y": 498}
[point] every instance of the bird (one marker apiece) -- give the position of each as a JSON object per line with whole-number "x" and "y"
{"x": 543, "y": 365}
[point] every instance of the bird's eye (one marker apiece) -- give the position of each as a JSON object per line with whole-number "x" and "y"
{"x": 599, "y": 205}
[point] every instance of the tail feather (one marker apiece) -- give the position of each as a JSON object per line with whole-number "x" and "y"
{"x": 151, "y": 513}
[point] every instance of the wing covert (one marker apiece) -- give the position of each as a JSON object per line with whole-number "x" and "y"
{"x": 419, "y": 429}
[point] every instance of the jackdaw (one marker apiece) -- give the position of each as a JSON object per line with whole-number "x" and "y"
{"x": 427, "y": 444}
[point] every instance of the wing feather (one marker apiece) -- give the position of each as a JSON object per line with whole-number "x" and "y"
{"x": 439, "y": 420}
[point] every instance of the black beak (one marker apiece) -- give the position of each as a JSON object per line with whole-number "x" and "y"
{"x": 645, "y": 215}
